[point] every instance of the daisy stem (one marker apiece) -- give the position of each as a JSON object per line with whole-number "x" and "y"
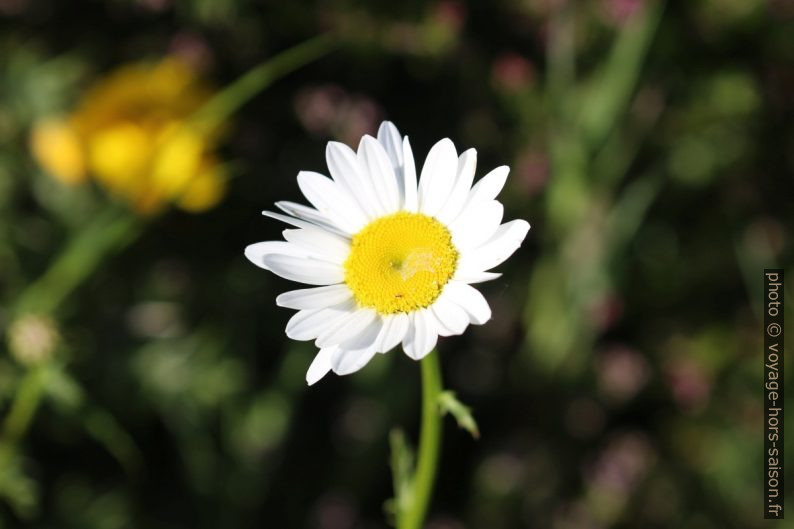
{"x": 429, "y": 444}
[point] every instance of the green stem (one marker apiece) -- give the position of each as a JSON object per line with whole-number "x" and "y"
{"x": 429, "y": 444}
{"x": 23, "y": 408}
{"x": 235, "y": 95}
{"x": 25, "y": 402}
{"x": 108, "y": 232}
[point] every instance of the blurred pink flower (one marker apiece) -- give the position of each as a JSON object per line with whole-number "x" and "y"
{"x": 335, "y": 511}
{"x": 764, "y": 236}
{"x": 450, "y": 13}
{"x": 621, "y": 464}
{"x": 575, "y": 515}
{"x": 621, "y": 372}
{"x": 329, "y": 110}
{"x": 689, "y": 383}
{"x": 193, "y": 49}
{"x": 512, "y": 72}
{"x": 605, "y": 310}
{"x": 782, "y": 8}
{"x": 154, "y": 5}
{"x": 615, "y": 475}
{"x": 618, "y": 12}
{"x": 12, "y": 7}
{"x": 532, "y": 170}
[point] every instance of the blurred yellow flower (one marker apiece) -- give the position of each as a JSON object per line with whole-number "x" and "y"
{"x": 57, "y": 148}
{"x": 133, "y": 133}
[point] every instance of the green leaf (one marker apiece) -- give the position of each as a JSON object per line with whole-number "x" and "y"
{"x": 611, "y": 88}
{"x": 106, "y": 430}
{"x": 628, "y": 213}
{"x": 18, "y": 489}
{"x": 449, "y": 403}
{"x": 63, "y": 389}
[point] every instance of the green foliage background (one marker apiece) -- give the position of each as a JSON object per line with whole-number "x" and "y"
{"x": 619, "y": 383}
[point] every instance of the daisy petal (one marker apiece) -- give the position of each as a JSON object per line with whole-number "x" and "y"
{"x": 331, "y": 201}
{"x": 350, "y": 326}
{"x": 438, "y": 177}
{"x": 410, "y": 197}
{"x": 441, "y": 329}
{"x": 256, "y": 252}
{"x": 389, "y": 137}
{"x": 310, "y": 215}
{"x": 302, "y": 270}
{"x": 474, "y": 277}
{"x": 477, "y": 224}
{"x": 381, "y": 172}
{"x": 422, "y": 335}
{"x": 308, "y": 324}
{"x": 470, "y": 300}
{"x": 320, "y": 242}
{"x": 394, "y": 328}
{"x": 304, "y": 212}
{"x": 367, "y": 337}
{"x": 489, "y": 186}
{"x": 345, "y": 362}
{"x": 450, "y": 315}
{"x": 347, "y": 171}
{"x": 315, "y": 298}
{"x": 300, "y": 223}
{"x": 320, "y": 366}
{"x": 505, "y": 241}
{"x": 467, "y": 164}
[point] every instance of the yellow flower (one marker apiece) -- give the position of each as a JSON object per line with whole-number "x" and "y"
{"x": 57, "y": 148}
{"x": 133, "y": 133}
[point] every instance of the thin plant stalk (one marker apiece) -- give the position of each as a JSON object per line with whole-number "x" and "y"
{"x": 23, "y": 408}
{"x": 109, "y": 231}
{"x": 230, "y": 99}
{"x": 429, "y": 445}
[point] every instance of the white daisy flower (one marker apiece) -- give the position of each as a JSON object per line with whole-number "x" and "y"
{"x": 392, "y": 261}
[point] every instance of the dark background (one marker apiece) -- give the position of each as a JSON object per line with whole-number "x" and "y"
{"x": 619, "y": 382}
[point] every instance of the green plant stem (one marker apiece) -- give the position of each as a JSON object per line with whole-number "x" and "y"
{"x": 239, "y": 92}
{"x": 429, "y": 444}
{"x": 24, "y": 405}
{"x": 23, "y": 408}
{"x": 108, "y": 232}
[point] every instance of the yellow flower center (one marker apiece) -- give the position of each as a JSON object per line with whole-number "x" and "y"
{"x": 400, "y": 262}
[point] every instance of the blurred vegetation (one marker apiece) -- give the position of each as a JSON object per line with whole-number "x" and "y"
{"x": 145, "y": 380}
